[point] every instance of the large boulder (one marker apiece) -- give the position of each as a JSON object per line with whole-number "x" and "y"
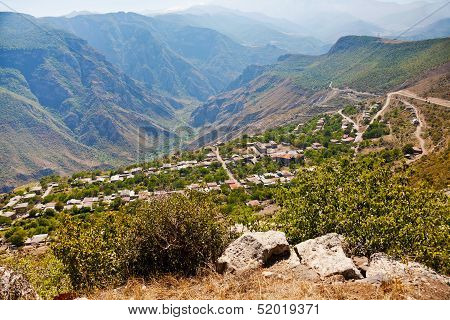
{"x": 381, "y": 265}
{"x": 252, "y": 250}
{"x": 14, "y": 286}
{"x": 326, "y": 256}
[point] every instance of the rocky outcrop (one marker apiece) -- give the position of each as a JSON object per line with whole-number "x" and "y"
{"x": 14, "y": 286}
{"x": 326, "y": 256}
{"x": 385, "y": 267}
{"x": 252, "y": 250}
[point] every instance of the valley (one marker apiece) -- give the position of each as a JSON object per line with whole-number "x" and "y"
{"x": 212, "y": 153}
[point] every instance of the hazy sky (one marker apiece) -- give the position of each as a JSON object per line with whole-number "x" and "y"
{"x": 61, "y": 7}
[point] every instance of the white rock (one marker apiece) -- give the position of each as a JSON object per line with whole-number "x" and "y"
{"x": 252, "y": 250}
{"x": 389, "y": 268}
{"x": 326, "y": 256}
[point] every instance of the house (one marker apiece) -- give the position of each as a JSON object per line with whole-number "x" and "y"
{"x": 213, "y": 186}
{"x": 417, "y": 151}
{"x": 39, "y": 206}
{"x": 37, "y": 190}
{"x": 316, "y": 146}
{"x": 37, "y": 240}
{"x": 9, "y": 214}
{"x": 50, "y": 205}
{"x": 285, "y": 159}
{"x": 136, "y": 170}
{"x": 116, "y": 178}
{"x": 21, "y": 208}
{"x": 415, "y": 122}
{"x": 73, "y": 201}
{"x": 29, "y": 196}
{"x": 254, "y": 179}
{"x": 13, "y": 201}
{"x": 234, "y": 186}
{"x": 127, "y": 194}
{"x": 193, "y": 186}
{"x": 348, "y": 140}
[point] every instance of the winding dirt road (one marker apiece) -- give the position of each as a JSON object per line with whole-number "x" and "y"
{"x": 418, "y": 132}
{"x": 355, "y": 125}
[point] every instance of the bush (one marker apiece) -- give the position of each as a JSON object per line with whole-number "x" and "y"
{"x": 17, "y": 238}
{"x": 375, "y": 209}
{"x": 376, "y": 130}
{"x": 44, "y": 271}
{"x": 176, "y": 234}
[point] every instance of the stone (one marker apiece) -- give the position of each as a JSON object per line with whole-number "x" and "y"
{"x": 13, "y": 286}
{"x": 326, "y": 256}
{"x": 300, "y": 270}
{"x": 375, "y": 280}
{"x": 269, "y": 274}
{"x": 362, "y": 263}
{"x": 252, "y": 250}
{"x": 389, "y": 268}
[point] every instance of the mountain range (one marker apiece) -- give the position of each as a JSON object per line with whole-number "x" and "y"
{"x": 100, "y": 90}
{"x": 300, "y": 86}
{"x": 173, "y": 58}
{"x": 55, "y": 88}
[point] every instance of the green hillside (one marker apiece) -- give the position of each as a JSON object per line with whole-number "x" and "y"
{"x": 365, "y": 63}
{"x": 98, "y": 107}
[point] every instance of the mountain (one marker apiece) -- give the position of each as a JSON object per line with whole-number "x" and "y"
{"x": 249, "y": 31}
{"x": 65, "y": 107}
{"x": 438, "y": 29}
{"x": 298, "y": 86}
{"x": 326, "y": 20}
{"x": 170, "y": 57}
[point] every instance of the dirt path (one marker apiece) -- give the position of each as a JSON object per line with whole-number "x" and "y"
{"x": 355, "y": 125}
{"x": 418, "y": 132}
{"x": 230, "y": 175}
{"x": 412, "y": 95}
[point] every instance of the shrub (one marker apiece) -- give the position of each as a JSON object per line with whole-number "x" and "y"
{"x": 17, "y": 238}
{"x": 373, "y": 207}
{"x": 176, "y": 234}
{"x": 44, "y": 271}
{"x": 376, "y": 130}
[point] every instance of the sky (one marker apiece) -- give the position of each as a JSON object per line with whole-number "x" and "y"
{"x": 41, "y": 8}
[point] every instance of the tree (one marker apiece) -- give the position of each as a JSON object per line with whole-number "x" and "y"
{"x": 376, "y": 209}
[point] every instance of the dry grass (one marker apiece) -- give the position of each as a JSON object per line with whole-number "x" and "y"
{"x": 255, "y": 286}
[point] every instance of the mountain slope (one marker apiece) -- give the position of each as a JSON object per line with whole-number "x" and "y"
{"x": 298, "y": 84}
{"x": 248, "y": 31}
{"x": 173, "y": 58}
{"x": 438, "y": 29}
{"x": 95, "y": 106}
{"x": 34, "y": 143}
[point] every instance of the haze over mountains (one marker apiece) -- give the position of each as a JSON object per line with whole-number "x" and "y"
{"x": 79, "y": 91}
{"x": 172, "y": 57}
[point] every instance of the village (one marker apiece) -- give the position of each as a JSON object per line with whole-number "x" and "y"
{"x": 236, "y": 165}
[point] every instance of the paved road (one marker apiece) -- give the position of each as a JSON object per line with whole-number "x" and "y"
{"x": 230, "y": 175}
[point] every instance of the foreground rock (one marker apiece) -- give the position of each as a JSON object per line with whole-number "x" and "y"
{"x": 252, "y": 250}
{"x": 13, "y": 286}
{"x": 382, "y": 266}
{"x": 326, "y": 256}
